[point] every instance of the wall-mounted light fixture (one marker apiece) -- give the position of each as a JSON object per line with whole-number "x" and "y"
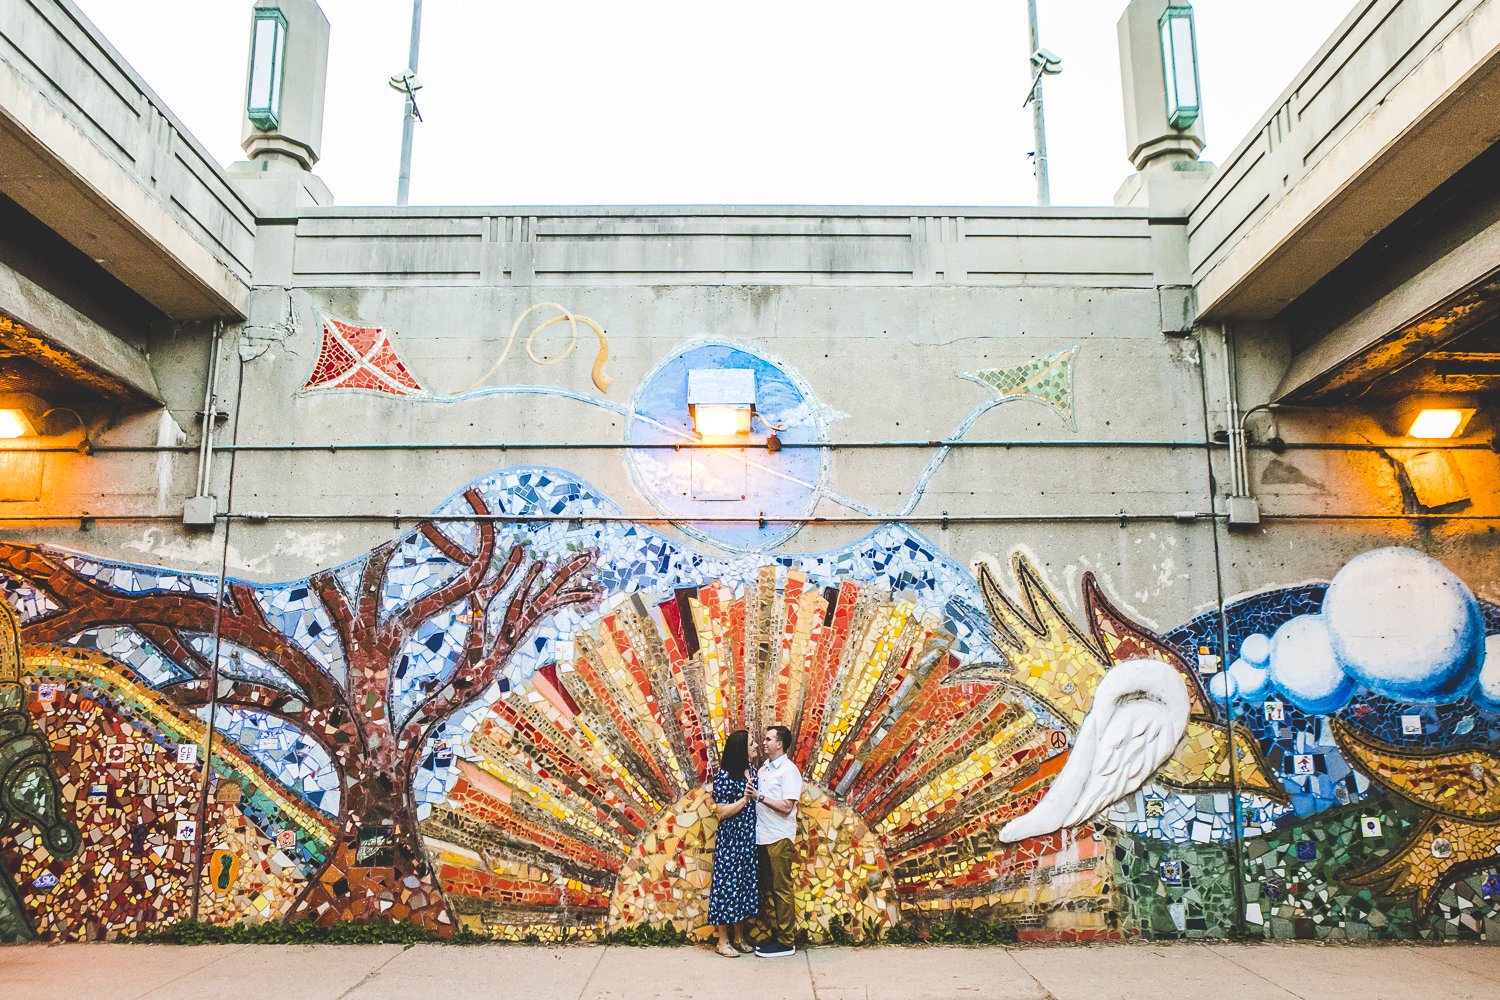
{"x": 15, "y": 424}
{"x": 1439, "y": 423}
{"x": 721, "y": 401}
{"x": 267, "y": 65}
{"x": 27, "y": 415}
{"x": 1179, "y": 55}
{"x": 1434, "y": 418}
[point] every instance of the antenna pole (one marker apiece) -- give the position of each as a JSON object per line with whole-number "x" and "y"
{"x": 408, "y": 125}
{"x": 1038, "y": 120}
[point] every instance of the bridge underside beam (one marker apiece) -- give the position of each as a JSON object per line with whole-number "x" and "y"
{"x": 1438, "y": 289}
{"x": 1432, "y": 124}
{"x": 69, "y": 349}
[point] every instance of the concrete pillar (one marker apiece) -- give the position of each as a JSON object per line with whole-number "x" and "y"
{"x": 1150, "y": 139}
{"x": 278, "y": 176}
{"x": 298, "y": 134}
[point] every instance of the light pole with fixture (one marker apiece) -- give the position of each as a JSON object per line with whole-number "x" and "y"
{"x": 407, "y": 83}
{"x": 1179, "y": 55}
{"x": 282, "y": 131}
{"x": 1043, "y": 63}
{"x": 267, "y": 67}
{"x": 1160, "y": 85}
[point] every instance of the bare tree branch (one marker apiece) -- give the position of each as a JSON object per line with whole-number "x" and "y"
{"x": 529, "y": 605}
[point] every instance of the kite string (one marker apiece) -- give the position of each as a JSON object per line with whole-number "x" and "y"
{"x": 600, "y": 378}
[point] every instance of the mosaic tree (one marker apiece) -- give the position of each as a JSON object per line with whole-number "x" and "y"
{"x": 376, "y": 867}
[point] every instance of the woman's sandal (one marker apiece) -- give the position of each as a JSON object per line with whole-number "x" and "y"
{"x": 727, "y": 951}
{"x": 743, "y": 947}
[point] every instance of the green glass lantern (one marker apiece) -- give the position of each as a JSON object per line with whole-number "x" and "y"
{"x": 1179, "y": 53}
{"x": 267, "y": 58}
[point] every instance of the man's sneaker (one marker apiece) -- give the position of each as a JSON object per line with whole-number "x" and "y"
{"x": 774, "y": 949}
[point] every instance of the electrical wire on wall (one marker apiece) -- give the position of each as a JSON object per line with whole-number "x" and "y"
{"x": 1237, "y": 849}
{"x": 210, "y": 730}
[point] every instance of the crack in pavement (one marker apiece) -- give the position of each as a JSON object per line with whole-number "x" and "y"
{"x": 192, "y": 971}
{"x": 1239, "y": 965}
{"x": 374, "y": 972}
{"x": 1046, "y": 993}
{"x": 590, "y": 977}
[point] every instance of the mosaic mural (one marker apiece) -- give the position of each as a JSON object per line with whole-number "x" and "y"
{"x": 773, "y": 499}
{"x": 508, "y": 728}
{"x": 506, "y": 720}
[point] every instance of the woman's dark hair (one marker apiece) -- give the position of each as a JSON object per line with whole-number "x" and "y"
{"x": 735, "y": 760}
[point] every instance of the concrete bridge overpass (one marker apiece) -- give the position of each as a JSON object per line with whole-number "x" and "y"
{"x": 1361, "y": 213}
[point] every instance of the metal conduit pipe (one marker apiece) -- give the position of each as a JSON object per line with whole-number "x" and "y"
{"x": 210, "y": 417}
{"x": 1180, "y": 517}
{"x": 205, "y": 432}
{"x": 1211, "y": 490}
{"x": 1239, "y": 471}
{"x": 152, "y": 449}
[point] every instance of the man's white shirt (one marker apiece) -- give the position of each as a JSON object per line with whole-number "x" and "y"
{"x": 777, "y": 779}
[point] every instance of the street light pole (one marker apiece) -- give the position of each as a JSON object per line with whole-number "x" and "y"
{"x": 408, "y": 126}
{"x": 1038, "y": 119}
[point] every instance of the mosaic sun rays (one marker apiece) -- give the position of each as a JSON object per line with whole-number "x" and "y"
{"x": 585, "y": 809}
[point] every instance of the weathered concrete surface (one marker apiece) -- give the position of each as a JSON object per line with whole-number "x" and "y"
{"x": 119, "y": 177}
{"x": 518, "y": 972}
{"x": 64, "y": 339}
{"x": 1361, "y": 135}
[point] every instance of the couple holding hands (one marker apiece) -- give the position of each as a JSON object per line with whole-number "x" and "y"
{"x": 755, "y": 843}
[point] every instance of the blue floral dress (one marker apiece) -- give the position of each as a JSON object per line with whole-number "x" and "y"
{"x": 734, "y": 893}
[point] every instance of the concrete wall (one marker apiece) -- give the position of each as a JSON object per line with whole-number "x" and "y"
{"x": 934, "y": 702}
{"x": 469, "y": 627}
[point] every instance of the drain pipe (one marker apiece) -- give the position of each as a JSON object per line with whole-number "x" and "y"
{"x": 1243, "y": 508}
{"x": 201, "y": 508}
{"x": 1238, "y": 929}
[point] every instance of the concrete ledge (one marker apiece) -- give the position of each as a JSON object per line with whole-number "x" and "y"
{"x": 50, "y": 167}
{"x": 1400, "y": 326}
{"x": 1431, "y": 123}
{"x": 63, "y": 339}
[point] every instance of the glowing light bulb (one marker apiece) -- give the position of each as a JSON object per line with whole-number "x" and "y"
{"x": 721, "y": 421}
{"x": 13, "y": 424}
{"x": 1439, "y": 423}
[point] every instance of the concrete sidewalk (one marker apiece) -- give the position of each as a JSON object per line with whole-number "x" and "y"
{"x": 518, "y": 972}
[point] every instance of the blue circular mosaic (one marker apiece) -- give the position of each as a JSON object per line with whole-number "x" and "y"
{"x": 744, "y": 483}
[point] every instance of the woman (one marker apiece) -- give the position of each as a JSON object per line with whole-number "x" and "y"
{"x": 734, "y": 892}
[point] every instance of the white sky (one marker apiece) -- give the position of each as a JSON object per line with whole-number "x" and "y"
{"x": 674, "y": 102}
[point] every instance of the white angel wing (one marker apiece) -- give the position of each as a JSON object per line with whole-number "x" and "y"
{"x": 1139, "y": 714}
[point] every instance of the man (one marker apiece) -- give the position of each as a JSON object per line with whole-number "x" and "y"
{"x": 778, "y": 787}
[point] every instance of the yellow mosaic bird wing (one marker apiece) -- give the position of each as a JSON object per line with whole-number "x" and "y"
{"x": 1437, "y": 849}
{"x": 12, "y": 695}
{"x": 1464, "y": 784}
{"x": 1050, "y": 657}
{"x": 1201, "y": 763}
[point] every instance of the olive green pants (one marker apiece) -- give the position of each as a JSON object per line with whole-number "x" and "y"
{"x": 776, "y": 885}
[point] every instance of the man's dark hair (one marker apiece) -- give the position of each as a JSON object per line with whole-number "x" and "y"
{"x": 784, "y": 735}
